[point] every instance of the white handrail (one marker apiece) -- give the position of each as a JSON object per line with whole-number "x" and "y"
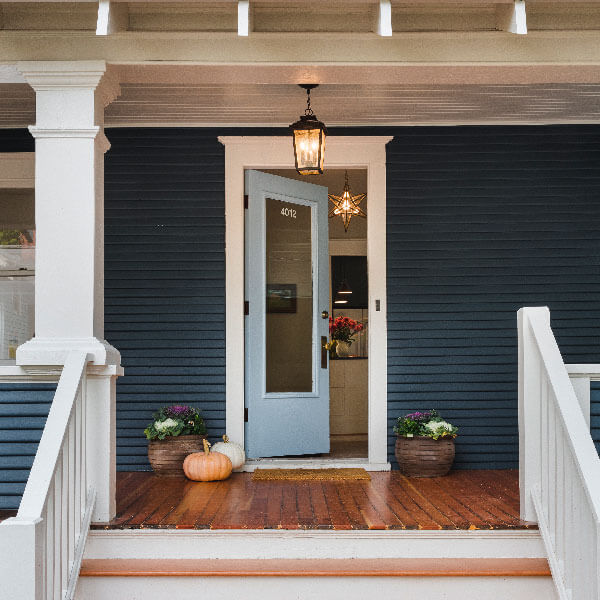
{"x": 42, "y": 547}
{"x": 559, "y": 464}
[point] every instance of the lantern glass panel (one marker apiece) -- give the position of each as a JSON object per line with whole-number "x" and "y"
{"x": 309, "y": 145}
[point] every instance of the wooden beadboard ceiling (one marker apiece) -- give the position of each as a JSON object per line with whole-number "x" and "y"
{"x": 336, "y": 105}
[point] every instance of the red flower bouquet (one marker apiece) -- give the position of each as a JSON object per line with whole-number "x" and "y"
{"x": 344, "y": 328}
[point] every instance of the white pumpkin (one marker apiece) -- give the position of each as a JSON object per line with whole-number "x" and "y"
{"x": 234, "y": 451}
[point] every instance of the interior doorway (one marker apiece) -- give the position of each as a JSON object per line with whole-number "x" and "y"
{"x": 348, "y": 274}
{"x": 367, "y": 154}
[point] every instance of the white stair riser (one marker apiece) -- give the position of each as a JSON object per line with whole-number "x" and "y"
{"x": 265, "y": 544}
{"x": 312, "y": 588}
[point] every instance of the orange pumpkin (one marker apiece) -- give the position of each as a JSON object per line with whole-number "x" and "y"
{"x": 207, "y": 465}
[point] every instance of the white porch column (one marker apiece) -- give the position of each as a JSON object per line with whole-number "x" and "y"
{"x": 69, "y": 214}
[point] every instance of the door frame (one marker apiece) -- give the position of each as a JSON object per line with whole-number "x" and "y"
{"x": 276, "y": 152}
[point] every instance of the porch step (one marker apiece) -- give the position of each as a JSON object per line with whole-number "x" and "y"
{"x": 246, "y": 544}
{"x": 390, "y": 567}
{"x": 304, "y": 579}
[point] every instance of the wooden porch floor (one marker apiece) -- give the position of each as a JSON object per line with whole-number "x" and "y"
{"x": 461, "y": 500}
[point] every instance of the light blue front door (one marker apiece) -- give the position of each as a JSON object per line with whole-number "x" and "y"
{"x": 287, "y": 290}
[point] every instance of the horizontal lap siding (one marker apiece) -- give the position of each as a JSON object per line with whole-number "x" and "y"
{"x": 24, "y": 408}
{"x": 482, "y": 221}
{"x": 164, "y": 278}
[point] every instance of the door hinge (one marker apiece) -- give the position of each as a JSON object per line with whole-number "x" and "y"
{"x": 245, "y": 200}
{"x": 246, "y": 307}
{"x": 245, "y": 415}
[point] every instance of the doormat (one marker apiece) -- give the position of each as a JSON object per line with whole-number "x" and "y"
{"x": 310, "y": 475}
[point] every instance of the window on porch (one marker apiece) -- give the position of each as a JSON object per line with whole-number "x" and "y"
{"x": 17, "y": 270}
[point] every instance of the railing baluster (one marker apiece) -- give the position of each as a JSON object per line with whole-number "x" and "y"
{"x": 552, "y": 433}
{"x": 560, "y": 490}
{"x": 543, "y": 429}
{"x": 84, "y": 478}
{"x": 49, "y": 522}
{"x": 58, "y": 530}
{"x": 77, "y": 467}
{"x": 72, "y": 517}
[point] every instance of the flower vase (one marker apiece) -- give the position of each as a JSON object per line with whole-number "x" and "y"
{"x": 423, "y": 456}
{"x": 342, "y": 349}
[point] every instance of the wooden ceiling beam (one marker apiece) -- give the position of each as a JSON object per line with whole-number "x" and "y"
{"x": 244, "y": 18}
{"x": 384, "y": 18}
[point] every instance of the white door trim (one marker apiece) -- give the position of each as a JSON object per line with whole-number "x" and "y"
{"x": 353, "y": 152}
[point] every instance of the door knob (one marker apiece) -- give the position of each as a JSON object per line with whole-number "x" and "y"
{"x": 324, "y": 314}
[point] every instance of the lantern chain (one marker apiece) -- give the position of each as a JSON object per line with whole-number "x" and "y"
{"x": 308, "y": 111}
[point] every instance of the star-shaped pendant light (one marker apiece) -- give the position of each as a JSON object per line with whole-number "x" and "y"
{"x": 347, "y": 205}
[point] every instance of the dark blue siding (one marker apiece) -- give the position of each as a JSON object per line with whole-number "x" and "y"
{"x": 24, "y": 408}
{"x": 481, "y": 221}
{"x": 164, "y": 281}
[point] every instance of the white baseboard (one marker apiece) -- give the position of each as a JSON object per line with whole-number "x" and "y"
{"x": 313, "y": 588}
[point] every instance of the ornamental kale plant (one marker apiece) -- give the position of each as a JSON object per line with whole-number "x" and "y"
{"x": 175, "y": 420}
{"x": 426, "y": 424}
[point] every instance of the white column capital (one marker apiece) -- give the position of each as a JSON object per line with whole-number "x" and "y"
{"x": 50, "y": 74}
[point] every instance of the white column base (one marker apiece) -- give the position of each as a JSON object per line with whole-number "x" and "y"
{"x": 54, "y": 351}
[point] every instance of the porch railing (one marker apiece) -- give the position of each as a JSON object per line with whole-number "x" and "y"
{"x": 42, "y": 547}
{"x": 559, "y": 465}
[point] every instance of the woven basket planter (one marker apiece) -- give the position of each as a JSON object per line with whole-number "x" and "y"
{"x": 424, "y": 456}
{"x": 166, "y": 456}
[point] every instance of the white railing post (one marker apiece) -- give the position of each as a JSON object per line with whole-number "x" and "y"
{"x": 560, "y": 465}
{"x": 529, "y": 410}
{"x": 101, "y": 439}
{"x": 21, "y": 551}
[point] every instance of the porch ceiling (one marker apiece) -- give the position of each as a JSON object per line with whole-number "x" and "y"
{"x": 337, "y": 104}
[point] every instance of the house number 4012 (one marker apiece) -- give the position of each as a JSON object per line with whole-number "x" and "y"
{"x": 288, "y": 212}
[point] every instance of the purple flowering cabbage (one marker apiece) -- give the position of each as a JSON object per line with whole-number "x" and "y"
{"x": 424, "y": 424}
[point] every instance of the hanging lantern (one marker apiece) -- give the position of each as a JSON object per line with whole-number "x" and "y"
{"x": 309, "y": 139}
{"x": 347, "y": 205}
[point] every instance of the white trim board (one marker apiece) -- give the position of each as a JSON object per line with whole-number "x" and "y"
{"x": 312, "y": 543}
{"x": 275, "y": 152}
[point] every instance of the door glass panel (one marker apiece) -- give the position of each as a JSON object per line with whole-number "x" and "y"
{"x": 289, "y": 303}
